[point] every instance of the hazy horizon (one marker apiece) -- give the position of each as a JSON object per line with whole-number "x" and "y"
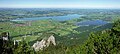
{"x": 83, "y": 4}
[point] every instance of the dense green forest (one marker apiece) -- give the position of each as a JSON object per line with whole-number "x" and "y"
{"x": 102, "y": 42}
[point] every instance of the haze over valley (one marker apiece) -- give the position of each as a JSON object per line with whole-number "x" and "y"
{"x": 60, "y": 27}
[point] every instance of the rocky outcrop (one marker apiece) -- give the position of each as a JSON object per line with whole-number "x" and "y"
{"x": 5, "y": 36}
{"x": 45, "y": 42}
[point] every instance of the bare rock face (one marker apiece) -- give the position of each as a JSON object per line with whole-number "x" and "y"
{"x": 5, "y": 36}
{"x": 39, "y": 45}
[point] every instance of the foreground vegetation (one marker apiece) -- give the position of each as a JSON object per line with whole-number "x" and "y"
{"x": 104, "y": 42}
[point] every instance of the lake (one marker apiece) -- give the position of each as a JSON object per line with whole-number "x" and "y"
{"x": 64, "y": 18}
{"x": 91, "y": 22}
{"x": 58, "y": 18}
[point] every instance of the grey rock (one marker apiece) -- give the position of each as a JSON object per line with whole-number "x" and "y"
{"x": 39, "y": 45}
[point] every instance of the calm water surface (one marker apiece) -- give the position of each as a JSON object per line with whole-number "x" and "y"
{"x": 58, "y": 18}
{"x": 91, "y": 22}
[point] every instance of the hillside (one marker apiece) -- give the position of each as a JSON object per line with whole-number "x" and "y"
{"x": 103, "y": 42}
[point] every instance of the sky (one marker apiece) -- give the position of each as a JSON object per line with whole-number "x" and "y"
{"x": 60, "y": 3}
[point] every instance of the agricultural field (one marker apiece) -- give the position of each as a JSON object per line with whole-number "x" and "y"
{"x": 71, "y": 27}
{"x": 68, "y": 30}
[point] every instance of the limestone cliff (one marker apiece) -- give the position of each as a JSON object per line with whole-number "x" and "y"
{"x": 39, "y": 45}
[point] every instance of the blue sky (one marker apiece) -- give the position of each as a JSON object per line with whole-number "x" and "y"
{"x": 60, "y": 3}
